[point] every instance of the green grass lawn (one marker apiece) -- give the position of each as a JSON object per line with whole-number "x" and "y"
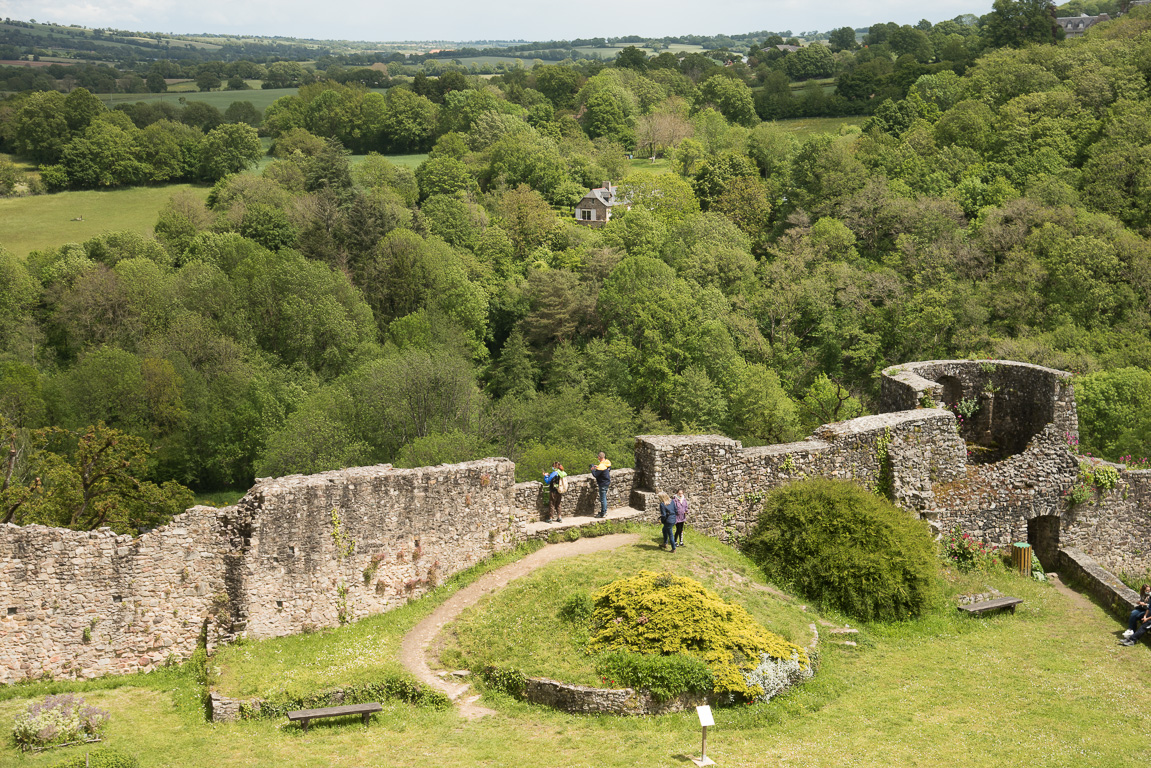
{"x": 408, "y": 161}
{"x": 645, "y": 165}
{"x": 809, "y": 126}
{"x": 520, "y": 626}
{"x": 1048, "y": 686}
{"x": 45, "y": 221}
{"x": 221, "y": 100}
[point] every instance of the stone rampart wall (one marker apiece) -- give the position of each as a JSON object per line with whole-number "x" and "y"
{"x": 300, "y": 552}
{"x": 996, "y": 501}
{"x": 908, "y": 451}
{"x": 582, "y": 497}
{"x": 84, "y": 604}
{"x": 1114, "y": 527}
{"x": 1079, "y": 569}
{"x": 1016, "y": 400}
{"x": 337, "y": 546}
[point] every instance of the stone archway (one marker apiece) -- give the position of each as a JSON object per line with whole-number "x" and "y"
{"x": 1043, "y": 536}
{"x": 952, "y": 389}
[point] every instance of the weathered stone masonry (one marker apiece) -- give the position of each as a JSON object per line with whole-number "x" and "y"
{"x": 273, "y": 564}
{"x": 300, "y": 552}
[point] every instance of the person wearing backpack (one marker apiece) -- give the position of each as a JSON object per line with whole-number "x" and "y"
{"x": 557, "y": 484}
{"x": 602, "y": 474}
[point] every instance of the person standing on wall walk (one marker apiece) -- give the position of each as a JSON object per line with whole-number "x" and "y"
{"x": 602, "y": 474}
{"x": 557, "y": 483}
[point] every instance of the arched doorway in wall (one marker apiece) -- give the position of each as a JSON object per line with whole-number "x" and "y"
{"x": 1043, "y": 536}
{"x": 952, "y": 390}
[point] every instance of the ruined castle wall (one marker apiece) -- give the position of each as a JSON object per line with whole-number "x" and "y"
{"x": 582, "y": 497}
{"x": 994, "y": 502}
{"x": 1016, "y": 400}
{"x": 338, "y": 546}
{"x": 1114, "y": 527}
{"x": 88, "y": 603}
{"x": 725, "y": 481}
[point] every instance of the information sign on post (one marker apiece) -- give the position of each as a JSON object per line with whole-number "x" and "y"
{"x": 705, "y": 719}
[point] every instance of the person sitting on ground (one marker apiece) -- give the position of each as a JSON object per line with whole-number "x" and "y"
{"x": 1140, "y": 611}
{"x": 555, "y": 491}
{"x": 602, "y": 474}
{"x": 1141, "y": 630}
{"x": 681, "y": 505}
{"x": 667, "y": 518}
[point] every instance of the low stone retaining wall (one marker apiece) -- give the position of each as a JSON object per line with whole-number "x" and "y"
{"x": 222, "y": 709}
{"x": 1078, "y": 568}
{"x": 586, "y": 700}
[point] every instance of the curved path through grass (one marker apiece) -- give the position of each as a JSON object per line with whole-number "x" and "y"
{"x": 414, "y": 649}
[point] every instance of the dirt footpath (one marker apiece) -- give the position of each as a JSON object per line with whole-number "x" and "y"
{"x": 414, "y": 648}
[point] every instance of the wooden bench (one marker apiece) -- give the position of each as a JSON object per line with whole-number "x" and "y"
{"x": 997, "y": 604}
{"x": 304, "y": 715}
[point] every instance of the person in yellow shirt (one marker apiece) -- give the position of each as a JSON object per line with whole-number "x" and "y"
{"x": 602, "y": 474}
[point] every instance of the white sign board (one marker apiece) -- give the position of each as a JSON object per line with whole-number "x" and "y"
{"x": 705, "y": 718}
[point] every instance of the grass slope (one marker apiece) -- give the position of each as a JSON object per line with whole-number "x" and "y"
{"x": 519, "y": 627}
{"x": 45, "y": 221}
{"x": 1046, "y": 687}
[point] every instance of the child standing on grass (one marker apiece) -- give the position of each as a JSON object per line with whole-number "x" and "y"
{"x": 681, "y": 505}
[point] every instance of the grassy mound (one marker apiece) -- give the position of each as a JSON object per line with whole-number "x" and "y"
{"x": 847, "y": 549}
{"x": 664, "y": 614}
{"x": 539, "y": 625}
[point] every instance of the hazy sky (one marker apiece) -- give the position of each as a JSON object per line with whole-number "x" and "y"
{"x": 462, "y": 20}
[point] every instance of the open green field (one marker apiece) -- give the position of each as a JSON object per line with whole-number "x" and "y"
{"x": 221, "y": 100}
{"x": 408, "y": 161}
{"x": 611, "y": 51}
{"x": 1048, "y": 687}
{"x": 809, "y": 126}
{"x": 645, "y": 165}
{"x": 45, "y": 221}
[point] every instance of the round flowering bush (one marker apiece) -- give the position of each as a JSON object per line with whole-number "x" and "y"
{"x": 969, "y": 554}
{"x": 670, "y": 634}
{"x": 58, "y": 720}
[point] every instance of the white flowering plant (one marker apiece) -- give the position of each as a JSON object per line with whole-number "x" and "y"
{"x": 56, "y": 720}
{"x": 775, "y": 676}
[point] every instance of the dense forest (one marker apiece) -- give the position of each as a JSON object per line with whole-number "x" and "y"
{"x": 333, "y": 311}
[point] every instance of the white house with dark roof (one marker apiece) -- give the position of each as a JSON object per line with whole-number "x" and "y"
{"x": 594, "y": 210}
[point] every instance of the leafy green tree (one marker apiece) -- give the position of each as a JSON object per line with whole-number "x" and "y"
{"x": 842, "y": 39}
{"x": 444, "y": 176}
{"x": 1015, "y": 23}
{"x": 304, "y": 311}
{"x": 559, "y": 84}
{"x": 95, "y": 478}
{"x": 105, "y": 156}
{"x": 1110, "y": 403}
{"x": 515, "y": 373}
{"x": 810, "y": 62}
{"x": 603, "y": 116}
{"x": 229, "y": 148}
{"x": 731, "y": 97}
{"x": 409, "y": 122}
{"x": 761, "y": 412}
{"x": 40, "y": 127}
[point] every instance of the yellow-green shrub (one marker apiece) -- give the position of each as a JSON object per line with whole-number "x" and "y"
{"x": 660, "y": 613}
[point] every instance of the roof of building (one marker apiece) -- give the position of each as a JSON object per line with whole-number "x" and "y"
{"x": 605, "y": 194}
